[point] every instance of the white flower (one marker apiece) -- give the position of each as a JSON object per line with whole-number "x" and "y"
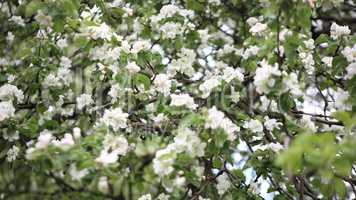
{"x": 290, "y": 83}
{"x": 199, "y": 172}
{"x": 116, "y": 144}
{"x": 132, "y": 68}
{"x": 114, "y": 92}
{"x": 216, "y": 119}
{"x": 223, "y": 184}
{"x": 115, "y": 3}
{"x": 250, "y": 51}
{"x": 163, "y": 196}
{"x": 64, "y": 75}
{"x": 106, "y": 157}
{"x": 252, "y": 21}
{"x": 115, "y": 118}
{"x": 208, "y": 86}
{"x": 101, "y": 53}
{"x": 103, "y": 185}
{"x": 276, "y": 147}
{"x": 8, "y": 92}
{"x": 17, "y": 20}
{"x": 185, "y": 141}
{"x": 337, "y": 31}
{"x": 29, "y": 153}
{"x": 308, "y": 61}
{"x": 159, "y": 118}
{"x": 163, "y": 161}
{"x": 183, "y": 64}
{"x": 230, "y": 73}
{"x": 62, "y": 43}
{"x": 11, "y": 78}
{"x": 214, "y": 2}
{"x": 4, "y": 61}
{"x": 168, "y": 10}
{"x": 179, "y": 181}
{"x": 221, "y": 65}
{"x": 230, "y": 129}
{"x": 150, "y": 107}
{"x": 271, "y": 124}
{"x": 264, "y": 77}
{"x": 324, "y": 45}
{"x": 12, "y": 153}
{"x": 284, "y": 33}
{"x": 227, "y": 49}
{"x": 65, "y": 62}
{"x": 170, "y": 30}
{"x": 258, "y": 28}
{"x": 309, "y": 44}
{"x": 11, "y": 137}
{"x": 145, "y": 197}
{"x": 350, "y": 53}
{"x": 51, "y": 81}
{"x": 65, "y": 143}
{"x": 254, "y": 125}
{"x": 235, "y": 96}
{"x": 43, "y": 19}
{"x": 188, "y": 141}
{"x": 7, "y": 110}
{"x": 328, "y": 61}
{"x": 341, "y": 100}
{"x": 84, "y": 100}
{"x": 183, "y": 100}
{"x": 44, "y": 139}
{"x": 76, "y": 174}
{"x": 267, "y": 104}
{"x": 307, "y": 122}
{"x": 162, "y": 84}
{"x": 204, "y": 37}
{"x": 10, "y": 37}
{"x": 140, "y": 45}
{"x": 351, "y": 70}
{"x": 99, "y": 32}
{"x": 76, "y": 133}
{"x": 128, "y": 11}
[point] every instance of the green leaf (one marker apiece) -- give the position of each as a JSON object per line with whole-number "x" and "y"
{"x": 339, "y": 63}
{"x": 195, "y": 5}
{"x": 191, "y": 119}
{"x": 342, "y": 166}
{"x": 323, "y": 38}
{"x": 33, "y": 7}
{"x": 303, "y": 16}
{"x": 340, "y": 188}
{"x": 70, "y": 7}
{"x": 58, "y": 25}
{"x": 346, "y": 118}
{"x": 142, "y": 79}
{"x": 217, "y": 163}
{"x": 286, "y": 103}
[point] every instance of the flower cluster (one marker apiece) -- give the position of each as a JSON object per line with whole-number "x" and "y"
{"x": 216, "y": 119}
{"x": 185, "y": 141}
{"x": 114, "y": 146}
{"x": 264, "y": 78}
{"x": 115, "y": 118}
{"x": 46, "y": 139}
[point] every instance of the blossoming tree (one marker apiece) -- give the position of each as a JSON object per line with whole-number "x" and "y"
{"x": 178, "y": 99}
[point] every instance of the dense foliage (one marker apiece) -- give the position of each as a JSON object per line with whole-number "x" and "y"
{"x": 179, "y": 99}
